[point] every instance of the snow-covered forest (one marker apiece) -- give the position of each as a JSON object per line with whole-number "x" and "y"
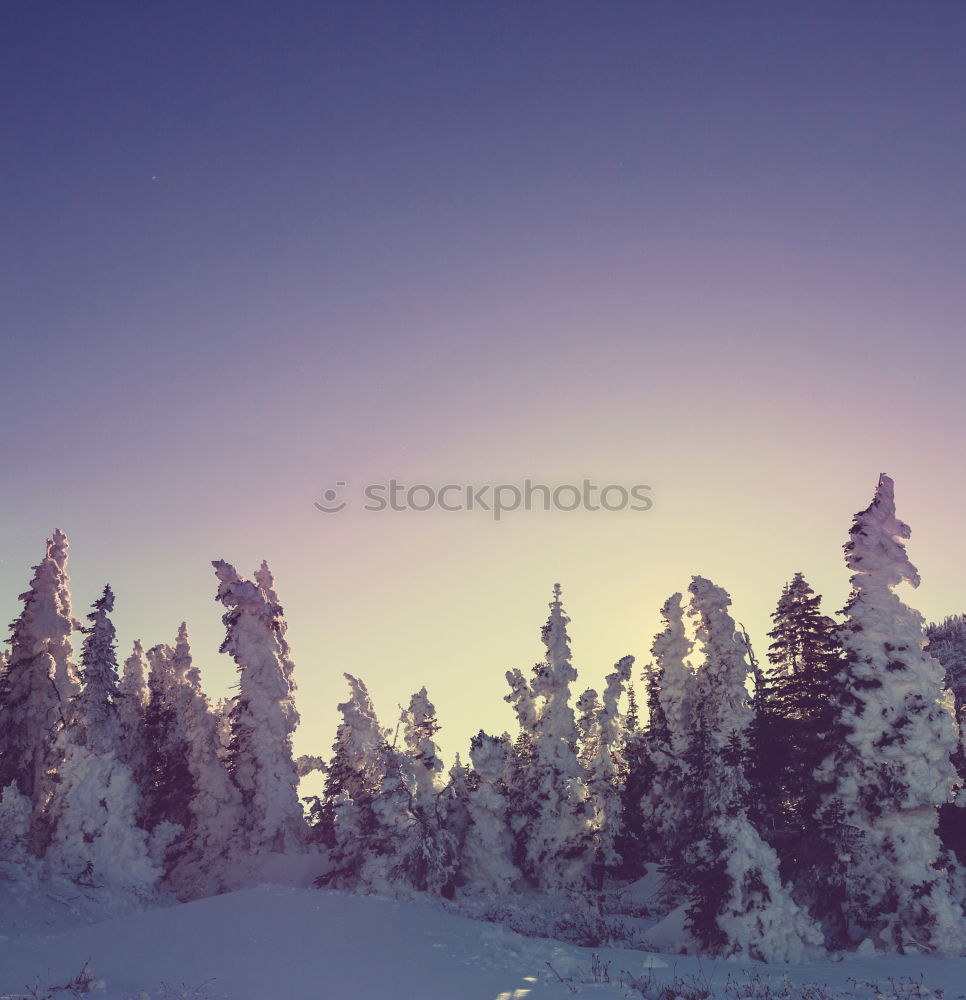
{"x": 778, "y": 806}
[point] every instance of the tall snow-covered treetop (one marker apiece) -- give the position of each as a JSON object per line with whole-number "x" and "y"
{"x": 40, "y": 677}
{"x": 182, "y": 664}
{"x": 671, "y": 649}
{"x": 359, "y": 737}
{"x": 263, "y": 715}
{"x": 353, "y": 774}
{"x": 65, "y": 671}
{"x": 602, "y": 767}
{"x": 134, "y": 685}
{"x": 419, "y": 727}
{"x": 892, "y": 769}
{"x": 553, "y": 677}
{"x": 875, "y": 547}
{"x": 131, "y": 704}
{"x": 266, "y": 582}
{"x": 558, "y": 837}
{"x": 720, "y": 682}
{"x": 94, "y": 709}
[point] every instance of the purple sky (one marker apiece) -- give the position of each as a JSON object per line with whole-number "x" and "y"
{"x": 252, "y": 249}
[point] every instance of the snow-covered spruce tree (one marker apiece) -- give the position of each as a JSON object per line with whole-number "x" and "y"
{"x": 263, "y": 716}
{"x": 454, "y": 802}
{"x": 890, "y": 769}
{"x": 720, "y": 682}
{"x": 559, "y": 840}
{"x": 387, "y": 845}
{"x": 199, "y": 861}
{"x": 430, "y": 861}
{"x": 39, "y": 679}
{"x": 671, "y": 649}
{"x": 654, "y": 787}
{"x": 632, "y": 717}
{"x": 520, "y": 779}
{"x": 602, "y": 771}
{"x": 486, "y": 860}
{"x": 587, "y": 705}
{"x": 387, "y": 827}
{"x": 266, "y": 582}
{"x": 222, "y": 712}
{"x": 132, "y": 703}
{"x": 93, "y": 834}
{"x": 789, "y": 736}
{"x": 354, "y": 769}
{"x": 65, "y": 672}
{"x": 947, "y": 643}
{"x": 521, "y": 771}
{"x": 166, "y": 781}
{"x": 419, "y": 726}
{"x": 634, "y": 842}
{"x": 342, "y": 818}
{"x": 737, "y": 904}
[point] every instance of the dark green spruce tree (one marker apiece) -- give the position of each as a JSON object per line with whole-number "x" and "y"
{"x": 794, "y": 721}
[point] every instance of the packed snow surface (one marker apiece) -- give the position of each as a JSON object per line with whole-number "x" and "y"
{"x": 275, "y": 942}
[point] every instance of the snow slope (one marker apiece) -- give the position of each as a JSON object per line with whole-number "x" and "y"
{"x": 280, "y": 943}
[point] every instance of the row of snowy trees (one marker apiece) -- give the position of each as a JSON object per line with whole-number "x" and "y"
{"x": 807, "y": 804}
{"x": 127, "y": 783}
{"x": 790, "y": 808}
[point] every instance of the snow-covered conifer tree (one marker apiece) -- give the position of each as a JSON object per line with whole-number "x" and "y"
{"x": 264, "y": 716}
{"x": 736, "y": 901}
{"x": 353, "y": 770}
{"x": 671, "y": 649}
{"x": 632, "y": 717}
{"x": 653, "y": 793}
{"x": 947, "y": 643}
{"x": 431, "y": 860}
{"x": 558, "y": 839}
{"x": 454, "y": 803}
{"x": 486, "y": 861}
{"x": 62, "y": 622}
{"x": 720, "y": 683}
{"x": 602, "y": 769}
{"x": 386, "y": 844}
{"x": 587, "y": 705}
{"x": 890, "y": 770}
{"x": 166, "y": 780}
{"x": 92, "y": 815}
{"x": 737, "y": 904}
{"x": 201, "y": 857}
{"x": 131, "y": 705}
{"x": 39, "y": 679}
{"x": 521, "y": 773}
{"x": 789, "y": 735}
{"x": 266, "y": 582}
{"x": 419, "y": 726}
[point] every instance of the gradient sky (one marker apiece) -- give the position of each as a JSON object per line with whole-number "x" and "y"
{"x": 248, "y": 250}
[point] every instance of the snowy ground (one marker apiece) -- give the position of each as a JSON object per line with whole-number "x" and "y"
{"x": 280, "y": 943}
